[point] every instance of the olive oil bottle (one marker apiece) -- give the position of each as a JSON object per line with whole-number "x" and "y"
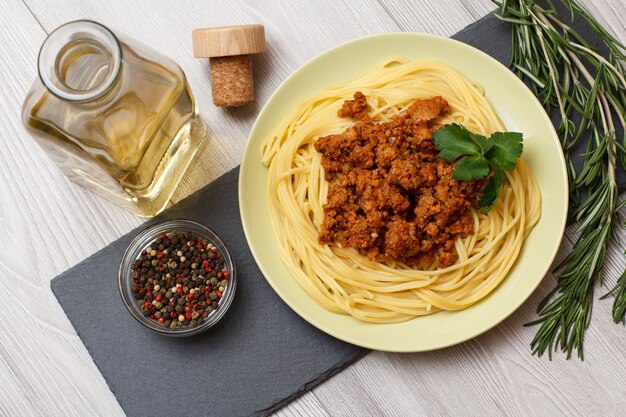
{"x": 116, "y": 116}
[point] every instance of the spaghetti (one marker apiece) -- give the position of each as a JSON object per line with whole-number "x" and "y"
{"x": 382, "y": 290}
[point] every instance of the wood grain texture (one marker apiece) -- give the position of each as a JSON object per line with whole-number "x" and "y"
{"x": 228, "y": 41}
{"x": 45, "y": 369}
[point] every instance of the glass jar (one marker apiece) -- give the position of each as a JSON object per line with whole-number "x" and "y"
{"x": 141, "y": 242}
{"x": 116, "y": 116}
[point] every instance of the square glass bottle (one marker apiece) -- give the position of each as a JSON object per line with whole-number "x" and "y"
{"x": 116, "y": 116}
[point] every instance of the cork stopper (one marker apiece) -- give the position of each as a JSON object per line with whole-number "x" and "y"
{"x": 229, "y": 49}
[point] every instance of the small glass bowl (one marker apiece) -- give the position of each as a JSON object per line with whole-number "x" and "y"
{"x": 142, "y": 241}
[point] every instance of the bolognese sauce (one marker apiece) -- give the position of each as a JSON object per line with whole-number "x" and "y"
{"x": 390, "y": 194}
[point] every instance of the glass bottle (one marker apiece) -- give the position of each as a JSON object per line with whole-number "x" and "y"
{"x": 116, "y": 116}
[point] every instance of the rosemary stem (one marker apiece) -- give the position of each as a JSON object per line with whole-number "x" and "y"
{"x": 618, "y": 112}
{"x": 602, "y": 60}
{"x": 552, "y": 72}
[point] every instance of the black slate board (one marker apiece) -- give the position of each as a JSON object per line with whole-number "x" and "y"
{"x": 257, "y": 359}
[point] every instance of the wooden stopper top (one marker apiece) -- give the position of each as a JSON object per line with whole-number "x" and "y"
{"x": 228, "y": 41}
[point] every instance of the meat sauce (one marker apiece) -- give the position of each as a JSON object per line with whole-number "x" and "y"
{"x": 390, "y": 194}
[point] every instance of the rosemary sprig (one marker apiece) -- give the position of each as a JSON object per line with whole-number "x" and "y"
{"x": 619, "y": 304}
{"x": 588, "y": 91}
{"x": 619, "y": 292}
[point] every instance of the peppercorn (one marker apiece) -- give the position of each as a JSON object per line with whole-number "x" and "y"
{"x": 179, "y": 279}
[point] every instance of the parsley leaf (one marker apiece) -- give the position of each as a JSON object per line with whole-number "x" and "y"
{"x": 507, "y": 147}
{"x": 483, "y": 143}
{"x": 476, "y": 156}
{"x": 470, "y": 167}
{"x": 491, "y": 192}
{"x": 454, "y": 141}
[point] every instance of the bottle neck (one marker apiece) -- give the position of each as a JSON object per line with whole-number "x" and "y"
{"x": 80, "y": 61}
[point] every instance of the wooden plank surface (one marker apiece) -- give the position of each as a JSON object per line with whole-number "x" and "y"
{"x": 53, "y": 224}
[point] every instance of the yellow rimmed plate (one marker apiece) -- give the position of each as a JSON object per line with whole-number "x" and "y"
{"x": 520, "y": 111}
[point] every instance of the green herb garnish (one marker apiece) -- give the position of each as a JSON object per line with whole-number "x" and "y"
{"x": 476, "y": 156}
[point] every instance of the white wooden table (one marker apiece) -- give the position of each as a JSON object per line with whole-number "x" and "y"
{"x": 49, "y": 225}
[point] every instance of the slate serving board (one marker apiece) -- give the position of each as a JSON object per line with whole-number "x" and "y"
{"x": 258, "y": 358}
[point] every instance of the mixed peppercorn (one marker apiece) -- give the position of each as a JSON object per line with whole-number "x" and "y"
{"x": 179, "y": 279}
